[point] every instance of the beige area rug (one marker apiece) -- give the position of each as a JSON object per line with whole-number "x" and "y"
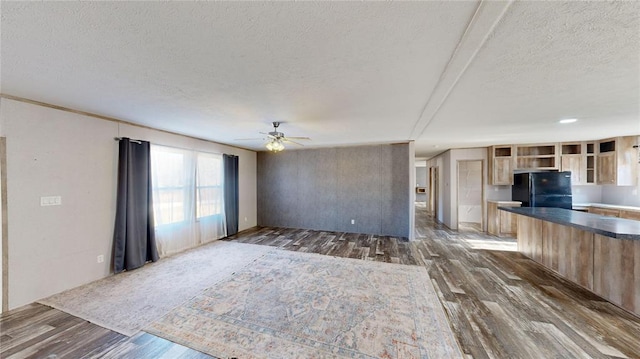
{"x": 129, "y": 301}
{"x": 301, "y": 305}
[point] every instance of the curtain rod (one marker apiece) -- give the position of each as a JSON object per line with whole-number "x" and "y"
{"x": 176, "y": 147}
{"x": 130, "y": 140}
{"x": 188, "y": 149}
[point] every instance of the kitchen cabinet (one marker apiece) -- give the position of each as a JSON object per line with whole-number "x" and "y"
{"x": 617, "y": 161}
{"x": 501, "y": 223}
{"x": 537, "y": 157}
{"x": 628, "y": 214}
{"x": 607, "y": 168}
{"x": 575, "y": 164}
{"x": 610, "y": 161}
{"x": 579, "y": 158}
{"x": 500, "y": 165}
{"x": 617, "y": 211}
{"x": 594, "y": 252}
{"x": 590, "y": 163}
{"x": 608, "y": 212}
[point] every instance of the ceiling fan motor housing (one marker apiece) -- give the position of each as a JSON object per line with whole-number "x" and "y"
{"x": 276, "y": 134}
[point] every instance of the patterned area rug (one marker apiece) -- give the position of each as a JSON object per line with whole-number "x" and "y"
{"x": 129, "y": 301}
{"x": 301, "y": 305}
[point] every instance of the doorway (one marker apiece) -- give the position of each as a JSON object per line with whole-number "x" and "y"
{"x": 433, "y": 191}
{"x": 470, "y": 196}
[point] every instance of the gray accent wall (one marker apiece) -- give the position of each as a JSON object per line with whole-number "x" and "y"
{"x": 324, "y": 189}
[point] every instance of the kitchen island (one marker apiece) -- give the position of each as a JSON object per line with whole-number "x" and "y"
{"x": 599, "y": 253}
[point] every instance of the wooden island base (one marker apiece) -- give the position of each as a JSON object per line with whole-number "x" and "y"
{"x": 609, "y": 267}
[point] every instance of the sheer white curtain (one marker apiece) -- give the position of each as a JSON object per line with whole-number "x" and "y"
{"x": 209, "y": 197}
{"x": 185, "y": 197}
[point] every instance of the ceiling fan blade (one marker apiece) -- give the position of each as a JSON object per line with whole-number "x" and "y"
{"x": 248, "y": 139}
{"x": 287, "y": 140}
{"x": 300, "y": 138}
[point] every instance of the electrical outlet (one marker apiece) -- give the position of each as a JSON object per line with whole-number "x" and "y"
{"x": 245, "y": 219}
{"x": 100, "y": 258}
{"x": 353, "y": 221}
{"x": 50, "y": 201}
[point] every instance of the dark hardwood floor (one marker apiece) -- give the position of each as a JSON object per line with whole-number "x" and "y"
{"x": 501, "y": 304}
{"x": 38, "y": 331}
{"x": 504, "y": 305}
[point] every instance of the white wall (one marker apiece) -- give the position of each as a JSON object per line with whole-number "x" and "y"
{"x": 448, "y": 167}
{"x": 57, "y": 153}
{"x": 621, "y": 195}
{"x": 586, "y": 194}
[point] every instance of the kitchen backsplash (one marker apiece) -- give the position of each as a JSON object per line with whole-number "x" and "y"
{"x": 621, "y": 195}
{"x": 586, "y": 194}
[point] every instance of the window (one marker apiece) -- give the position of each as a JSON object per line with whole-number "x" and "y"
{"x": 185, "y": 184}
{"x": 208, "y": 185}
{"x": 188, "y": 201}
{"x": 169, "y": 182}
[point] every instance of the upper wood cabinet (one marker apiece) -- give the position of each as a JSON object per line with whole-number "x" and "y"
{"x": 580, "y": 159}
{"x": 610, "y": 161}
{"x": 537, "y": 157}
{"x": 607, "y": 168}
{"x": 618, "y": 161}
{"x": 575, "y": 164}
{"x": 572, "y": 159}
{"x": 590, "y": 162}
{"x": 500, "y": 165}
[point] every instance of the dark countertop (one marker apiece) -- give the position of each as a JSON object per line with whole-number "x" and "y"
{"x": 607, "y": 226}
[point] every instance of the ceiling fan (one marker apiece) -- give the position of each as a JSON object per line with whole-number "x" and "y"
{"x": 276, "y": 139}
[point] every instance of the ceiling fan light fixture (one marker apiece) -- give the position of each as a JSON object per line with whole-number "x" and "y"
{"x": 275, "y": 146}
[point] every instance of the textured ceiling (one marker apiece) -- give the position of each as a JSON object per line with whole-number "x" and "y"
{"x": 444, "y": 74}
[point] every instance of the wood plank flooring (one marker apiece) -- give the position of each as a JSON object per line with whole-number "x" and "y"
{"x": 505, "y": 305}
{"x": 38, "y": 331}
{"x": 501, "y": 304}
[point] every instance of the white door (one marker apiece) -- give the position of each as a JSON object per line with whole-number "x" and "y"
{"x": 470, "y": 195}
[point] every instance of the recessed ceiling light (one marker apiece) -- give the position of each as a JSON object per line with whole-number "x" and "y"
{"x": 568, "y": 120}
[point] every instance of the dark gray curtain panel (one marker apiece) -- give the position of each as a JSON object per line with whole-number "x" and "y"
{"x": 231, "y": 193}
{"x": 134, "y": 238}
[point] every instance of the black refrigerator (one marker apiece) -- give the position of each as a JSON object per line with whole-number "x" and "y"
{"x": 542, "y": 189}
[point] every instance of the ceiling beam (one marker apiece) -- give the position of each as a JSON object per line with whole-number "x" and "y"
{"x": 479, "y": 29}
